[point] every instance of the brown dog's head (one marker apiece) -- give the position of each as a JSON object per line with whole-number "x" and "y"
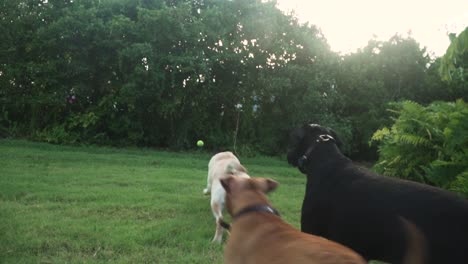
{"x": 242, "y": 192}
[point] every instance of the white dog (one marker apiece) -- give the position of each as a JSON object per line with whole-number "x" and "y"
{"x": 220, "y": 166}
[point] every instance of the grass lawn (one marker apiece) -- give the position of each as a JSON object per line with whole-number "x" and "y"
{"x": 64, "y": 204}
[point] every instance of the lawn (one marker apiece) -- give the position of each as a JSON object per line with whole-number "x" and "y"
{"x": 76, "y": 204}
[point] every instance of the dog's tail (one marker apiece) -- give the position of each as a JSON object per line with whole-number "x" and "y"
{"x": 416, "y": 243}
{"x": 235, "y": 168}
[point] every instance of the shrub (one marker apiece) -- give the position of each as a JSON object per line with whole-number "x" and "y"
{"x": 426, "y": 144}
{"x": 56, "y": 135}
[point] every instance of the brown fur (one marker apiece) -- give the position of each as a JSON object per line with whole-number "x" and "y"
{"x": 262, "y": 237}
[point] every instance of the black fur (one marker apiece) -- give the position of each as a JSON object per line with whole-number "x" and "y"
{"x": 360, "y": 209}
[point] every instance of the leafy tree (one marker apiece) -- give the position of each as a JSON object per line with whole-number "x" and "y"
{"x": 164, "y": 73}
{"x": 159, "y": 73}
{"x": 455, "y": 61}
{"x": 452, "y": 68}
{"x": 382, "y": 72}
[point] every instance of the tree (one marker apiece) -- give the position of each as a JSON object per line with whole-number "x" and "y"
{"x": 455, "y": 61}
{"x": 381, "y": 72}
{"x": 160, "y": 73}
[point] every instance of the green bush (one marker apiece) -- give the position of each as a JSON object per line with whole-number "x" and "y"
{"x": 427, "y": 144}
{"x": 56, "y": 135}
{"x": 461, "y": 184}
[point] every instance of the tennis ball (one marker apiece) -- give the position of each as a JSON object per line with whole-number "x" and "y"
{"x": 200, "y": 143}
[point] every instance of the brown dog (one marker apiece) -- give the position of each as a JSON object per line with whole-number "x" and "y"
{"x": 259, "y": 235}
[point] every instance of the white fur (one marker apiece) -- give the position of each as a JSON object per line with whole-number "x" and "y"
{"x": 219, "y": 166}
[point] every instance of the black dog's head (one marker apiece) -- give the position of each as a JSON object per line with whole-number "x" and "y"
{"x": 304, "y": 139}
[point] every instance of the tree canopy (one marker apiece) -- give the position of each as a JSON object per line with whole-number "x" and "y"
{"x": 164, "y": 73}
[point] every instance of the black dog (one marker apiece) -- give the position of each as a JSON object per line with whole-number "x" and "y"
{"x": 361, "y": 209}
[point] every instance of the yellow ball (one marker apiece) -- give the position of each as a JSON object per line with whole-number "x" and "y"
{"x": 200, "y": 143}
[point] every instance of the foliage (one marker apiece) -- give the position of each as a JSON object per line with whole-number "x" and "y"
{"x": 460, "y": 184}
{"x": 455, "y": 61}
{"x": 381, "y": 72}
{"x": 162, "y": 73}
{"x": 426, "y": 144}
{"x": 159, "y": 73}
{"x": 56, "y": 134}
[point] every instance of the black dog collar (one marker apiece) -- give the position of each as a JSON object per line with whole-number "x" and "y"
{"x": 256, "y": 208}
{"x": 250, "y": 209}
{"x": 321, "y": 138}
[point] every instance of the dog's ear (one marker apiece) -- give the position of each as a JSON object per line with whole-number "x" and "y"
{"x": 234, "y": 169}
{"x": 230, "y": 169}
{"x": 227, "y": 183}
{"x": 266, "y": 185}
{"x": 241, "y": 168}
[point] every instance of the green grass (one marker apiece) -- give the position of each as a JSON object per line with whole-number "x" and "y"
{"x": 64, "y": 204}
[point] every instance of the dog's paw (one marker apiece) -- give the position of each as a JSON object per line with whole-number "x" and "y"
{"x": 206, "y": 191}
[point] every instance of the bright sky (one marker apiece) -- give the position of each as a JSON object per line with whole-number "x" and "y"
{"x": 348, "y": 25}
